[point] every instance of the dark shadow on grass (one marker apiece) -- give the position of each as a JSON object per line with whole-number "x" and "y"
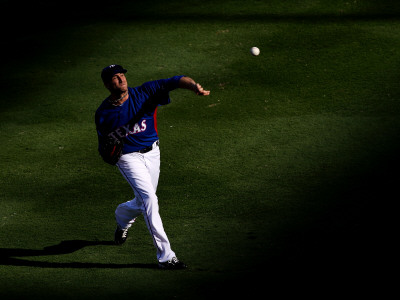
{"x": 10, "y": 256}
{"x": 35, "y": 19}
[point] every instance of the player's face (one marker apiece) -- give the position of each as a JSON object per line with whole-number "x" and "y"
{"x": 118, "y": 83}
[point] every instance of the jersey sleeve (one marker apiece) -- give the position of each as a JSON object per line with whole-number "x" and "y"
{"x": 158, "y": 90}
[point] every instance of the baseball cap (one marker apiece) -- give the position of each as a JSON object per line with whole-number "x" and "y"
{"x": 110, "y": 71}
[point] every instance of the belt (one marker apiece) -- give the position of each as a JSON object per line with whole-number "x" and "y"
{"x": 147, "y": 149}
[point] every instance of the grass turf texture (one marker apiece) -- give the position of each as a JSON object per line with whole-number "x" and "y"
{"x": 266, "y": 184}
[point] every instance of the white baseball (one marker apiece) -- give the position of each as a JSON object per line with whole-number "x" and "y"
{"x": 254, "y": 51}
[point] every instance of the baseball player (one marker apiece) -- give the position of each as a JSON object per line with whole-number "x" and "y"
{"x": 139, "y": 162}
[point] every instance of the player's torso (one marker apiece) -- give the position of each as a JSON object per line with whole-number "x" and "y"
{"x": 140, "y": 134}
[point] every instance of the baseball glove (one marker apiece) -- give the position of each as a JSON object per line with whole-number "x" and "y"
{"x": 110, "y": 149}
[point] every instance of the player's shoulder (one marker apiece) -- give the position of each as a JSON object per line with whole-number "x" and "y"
{"x": 133, "y": 90}
{"x": 106, "y": 108}
{"x": 105, "y": 104}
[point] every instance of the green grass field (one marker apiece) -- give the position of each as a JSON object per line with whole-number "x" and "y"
{"x": 275, "y": 183}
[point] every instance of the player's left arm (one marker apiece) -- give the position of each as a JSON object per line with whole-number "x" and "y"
{"x": 189, "y": 84}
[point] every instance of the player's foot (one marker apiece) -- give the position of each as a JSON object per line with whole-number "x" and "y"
{"x": 172, "y": 264}
{"x": 120, "y": 235}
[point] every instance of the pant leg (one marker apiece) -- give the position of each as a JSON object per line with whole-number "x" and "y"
{"x": 142, "y": 171}
{"x": 126, "y": 213}
{"x": 152, "y": 160}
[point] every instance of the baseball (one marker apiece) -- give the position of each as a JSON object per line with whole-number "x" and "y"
{"x": 254, "y": 51}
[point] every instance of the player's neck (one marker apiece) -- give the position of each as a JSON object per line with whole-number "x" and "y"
{"x": 118, "y": 99}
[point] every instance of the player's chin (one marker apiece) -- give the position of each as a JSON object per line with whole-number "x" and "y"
{"x": 123, "y": 88}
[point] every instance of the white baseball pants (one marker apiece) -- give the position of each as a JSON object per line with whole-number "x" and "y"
{"x": 142, "y": 172}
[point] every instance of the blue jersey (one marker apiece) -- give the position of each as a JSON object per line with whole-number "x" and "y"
{"x": 142, "y": 102}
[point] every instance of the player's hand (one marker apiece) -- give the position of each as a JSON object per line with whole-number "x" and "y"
{"x": 198, "y": 89}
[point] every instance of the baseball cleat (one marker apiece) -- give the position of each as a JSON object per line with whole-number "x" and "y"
{"x": 172, "y": 264}
{"x": 120, "y": 235}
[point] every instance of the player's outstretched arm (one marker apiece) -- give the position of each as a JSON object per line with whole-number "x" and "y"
{"x": 189, "y": 84}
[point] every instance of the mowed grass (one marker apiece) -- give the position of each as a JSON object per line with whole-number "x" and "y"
{"x": 267, "y": 183}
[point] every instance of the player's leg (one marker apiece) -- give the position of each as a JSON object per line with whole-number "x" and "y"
{"x": 153, "y": 218}
{"x": 126, "y": 213}
{"x": 153, "y": 165}
{"x": 138, "y": 170}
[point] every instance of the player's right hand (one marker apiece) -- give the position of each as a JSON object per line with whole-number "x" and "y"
{"x": 200, "y": 91}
